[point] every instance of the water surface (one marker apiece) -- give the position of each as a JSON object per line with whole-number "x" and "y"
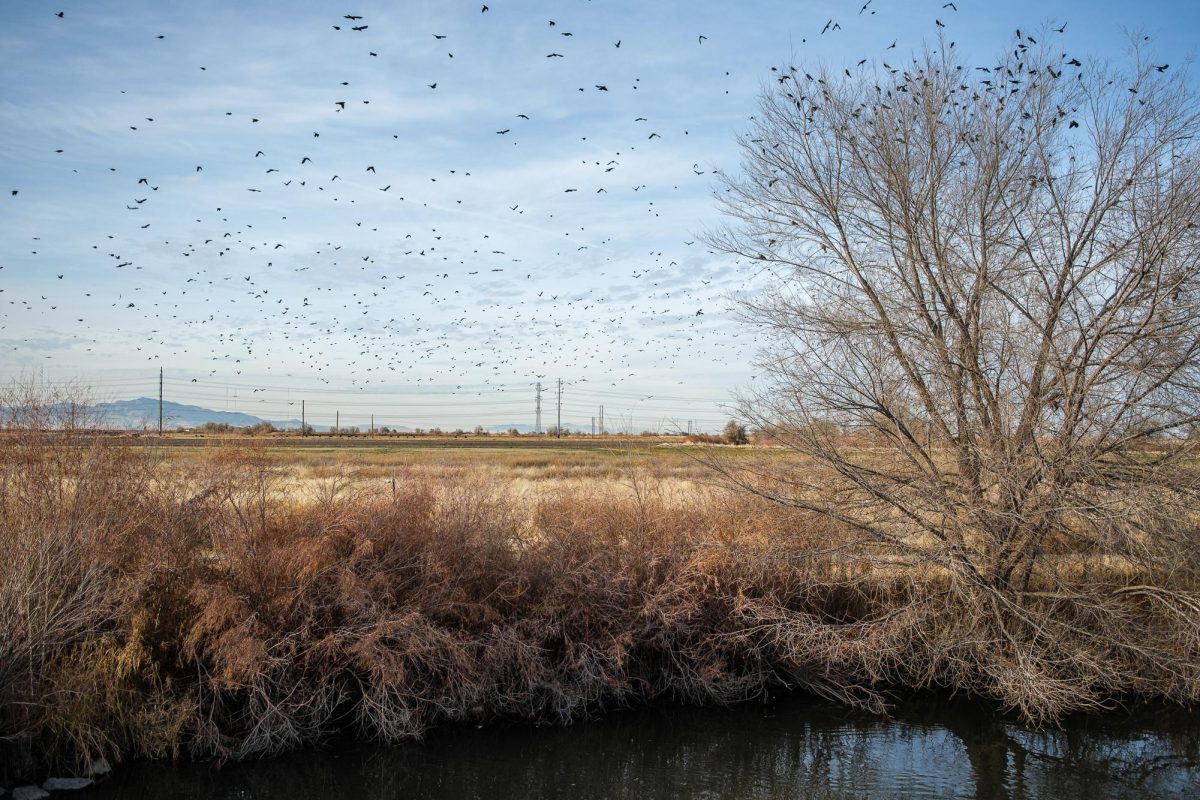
{"x": 791, "y": 748}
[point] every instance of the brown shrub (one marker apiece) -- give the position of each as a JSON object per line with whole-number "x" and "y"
{"x": 146, "y": 612}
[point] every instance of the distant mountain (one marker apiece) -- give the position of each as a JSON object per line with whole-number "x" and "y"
{"x": 143, "y": 413}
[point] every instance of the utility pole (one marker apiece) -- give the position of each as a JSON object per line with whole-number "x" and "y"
{"x": 601, "y": 419}
{"x": 558, "y": 427}
{"x": 593, "y": 426}
{"x": 303, "y": 421}
{"x": 160, "y": 371}
{"x": 337, "y": 423}
{"x": 372, "y": 424}
{"x": 537, "y": 425}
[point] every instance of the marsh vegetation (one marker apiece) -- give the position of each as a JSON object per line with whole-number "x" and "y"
{"x": 242, "y": 600}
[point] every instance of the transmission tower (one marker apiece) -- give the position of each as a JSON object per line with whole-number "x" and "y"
{"x": 558, "y": 426}
{"x": 537, "y": 426}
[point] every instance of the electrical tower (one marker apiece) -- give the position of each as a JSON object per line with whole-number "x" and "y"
{"x": 537, "y": 425}
{"x": 558, "y": 427}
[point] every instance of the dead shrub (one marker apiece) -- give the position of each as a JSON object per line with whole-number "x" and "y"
{"x": 225, "y": 614}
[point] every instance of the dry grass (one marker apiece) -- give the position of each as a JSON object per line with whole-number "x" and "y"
{"x": 237, "y": 602}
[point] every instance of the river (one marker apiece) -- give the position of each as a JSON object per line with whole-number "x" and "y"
{"x": 789, "y": 748}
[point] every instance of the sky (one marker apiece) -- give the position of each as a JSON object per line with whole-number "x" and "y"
{"x": 421, "y": 209}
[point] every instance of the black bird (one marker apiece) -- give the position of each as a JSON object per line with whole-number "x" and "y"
{"x": 555, "y": 55}
{"x": 352, "y": 17}
{"x": 1163, "y": 68}
{"x": 359, "y": 28}
{"x": 483, "y": 10}
{"x": 60, "y": 14}
{"x": 506, "y": 130}
{"x": 617, "y": 43}
{"x": 439, "y": 36}
{"x": 433, "y": 85}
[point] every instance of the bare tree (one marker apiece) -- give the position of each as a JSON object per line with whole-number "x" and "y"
{"x": 983, "y": 317}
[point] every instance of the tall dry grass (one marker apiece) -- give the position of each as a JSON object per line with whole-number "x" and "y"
{"x": 149, "y": 611}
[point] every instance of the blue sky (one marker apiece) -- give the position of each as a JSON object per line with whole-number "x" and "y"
{"x": 485, "y": 251}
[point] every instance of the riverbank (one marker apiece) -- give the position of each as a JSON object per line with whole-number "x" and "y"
{"x": 210, "y": 609}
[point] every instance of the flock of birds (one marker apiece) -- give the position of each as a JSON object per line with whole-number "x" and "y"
{"x": 437, "y": 274}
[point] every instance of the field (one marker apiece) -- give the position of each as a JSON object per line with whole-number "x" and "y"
{"x": 242, "y": 597}
{"x": 526, "y": 464}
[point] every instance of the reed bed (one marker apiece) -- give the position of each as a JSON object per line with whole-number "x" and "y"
{"x": 218, "y": 611}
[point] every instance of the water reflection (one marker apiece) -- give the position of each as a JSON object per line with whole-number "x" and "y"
{"x": 792, "y": 748}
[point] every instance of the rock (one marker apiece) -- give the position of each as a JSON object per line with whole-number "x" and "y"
{"x": 29, "y": 793}
{"x": 63, "y": 784}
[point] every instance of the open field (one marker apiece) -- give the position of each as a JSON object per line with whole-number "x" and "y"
{"x": 246, "y": 597}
